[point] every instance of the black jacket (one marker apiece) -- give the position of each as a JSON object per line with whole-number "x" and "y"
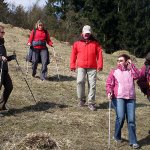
{"x": 3, "y": 52}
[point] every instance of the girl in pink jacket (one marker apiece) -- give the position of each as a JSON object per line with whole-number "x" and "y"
{"x": 120, "y": 89}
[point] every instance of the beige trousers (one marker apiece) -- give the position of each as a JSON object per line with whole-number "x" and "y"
{"x": 91, "y": 75}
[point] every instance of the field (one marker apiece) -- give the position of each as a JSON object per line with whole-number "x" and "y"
{"x": 55, "y": 121}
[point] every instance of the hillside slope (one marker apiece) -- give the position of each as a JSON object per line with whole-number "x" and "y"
{"x": 56, "y": 113}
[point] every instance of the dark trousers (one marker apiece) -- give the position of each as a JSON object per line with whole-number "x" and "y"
{"x": 8, "y": 87}
{"x": 38, "y": 55}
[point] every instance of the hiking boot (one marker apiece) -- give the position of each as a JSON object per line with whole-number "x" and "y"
{"x": 117, "y": 140}
{"x": 3, "y": 108}
{"x": 135, "y": 146}
{"x": 1, "y": 115}
{"x": 81, "y": 103}
{"x": 33, "y": 75}
{"x": 92, "y": 107}
{"x": 44, "y": 79}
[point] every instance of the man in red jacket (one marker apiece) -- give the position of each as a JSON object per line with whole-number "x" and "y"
{"x": 87, "y": 58}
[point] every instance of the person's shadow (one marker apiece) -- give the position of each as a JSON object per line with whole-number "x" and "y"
{"x": 57, "y": 78}
{"x": 40, "y": 106}
{"x": 145, "y": 141}
{"x": 104, "y": 105}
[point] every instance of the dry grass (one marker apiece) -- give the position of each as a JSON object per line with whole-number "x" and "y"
{"x": 36, "y": 141}
{"x": 56, "y": 117}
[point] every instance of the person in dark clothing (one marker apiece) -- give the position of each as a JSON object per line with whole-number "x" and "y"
{"x": 38, "y": 39}
{"x": 4, "y": 75}
{"x": 144, "y": 81}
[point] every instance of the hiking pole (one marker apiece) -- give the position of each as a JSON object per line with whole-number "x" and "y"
{"x": 25, "y": 79}
{"x": 56, "y": 63}
{"x": 1, "y": 72}
{"x": 27, "y": 60}
{"x": 27, "y": 63}
{"x": 109, "y": 125}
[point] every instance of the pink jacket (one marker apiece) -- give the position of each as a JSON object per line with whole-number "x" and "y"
{"x": 120, "y": 82}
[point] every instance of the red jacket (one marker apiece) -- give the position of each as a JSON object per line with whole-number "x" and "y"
{"x": 40, "y": 35}
{"x": 86, "y": 55}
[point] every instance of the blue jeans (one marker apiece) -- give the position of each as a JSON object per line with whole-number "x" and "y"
{"x": 125, "y": 108}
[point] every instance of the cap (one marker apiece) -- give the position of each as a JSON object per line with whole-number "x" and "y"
{"x": 86, "y": 29}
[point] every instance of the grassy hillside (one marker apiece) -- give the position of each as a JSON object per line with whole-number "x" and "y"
{"x": 55, "y": 120}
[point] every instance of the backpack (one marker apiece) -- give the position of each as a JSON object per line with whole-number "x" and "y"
{"x": 143, "y": 82}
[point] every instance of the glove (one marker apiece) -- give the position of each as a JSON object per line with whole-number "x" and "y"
{"x": 11, "y": 57}
{"x": 99, "y": 69}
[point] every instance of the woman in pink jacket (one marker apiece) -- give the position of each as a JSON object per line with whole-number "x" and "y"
{"x": 121, "y": 90}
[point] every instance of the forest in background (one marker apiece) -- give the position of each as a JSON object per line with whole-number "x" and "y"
{"x": 117, "y": 24}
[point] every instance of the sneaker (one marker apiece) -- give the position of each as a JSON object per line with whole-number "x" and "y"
{"x": 135, "y": 146}
{"x": 3, "y": 108}
{"x": 81, "y": 103}
{"x": 43, "y": 79}
{"x": 33, "y": 75}
{"x": 1, "y": 115}
{"x": 117, "y": 140}
{"x": 92, "y": 107}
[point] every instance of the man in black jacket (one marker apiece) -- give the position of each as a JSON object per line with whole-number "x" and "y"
{"x": 5, "y": 79}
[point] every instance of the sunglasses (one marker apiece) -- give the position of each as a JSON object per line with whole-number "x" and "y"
{"x": 120, "y": 60}
{"x": 40, "y": 25}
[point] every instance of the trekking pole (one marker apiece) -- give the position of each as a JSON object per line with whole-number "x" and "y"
{"x": 1, "y": 72}
{"x": 25, "y": 79}
{"x": 27, "y": 64}
{"x": 27, "y": 60}
{"x": 109, "y": 125}
{"x": 56, "y": 63}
